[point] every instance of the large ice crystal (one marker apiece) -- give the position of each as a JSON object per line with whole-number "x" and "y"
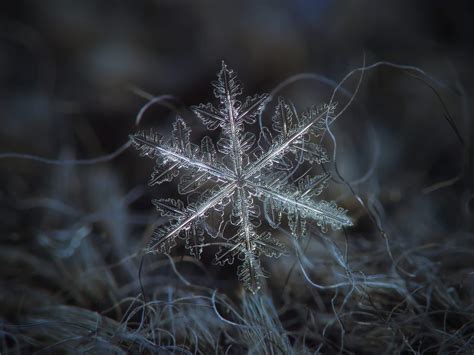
{"x": 225, "y": 181}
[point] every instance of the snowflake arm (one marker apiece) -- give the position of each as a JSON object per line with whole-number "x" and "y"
{"x": 250, "y": 271}
{"x": 291, "y": 138}
{"x": 298, "y": 206}
{"x": 177, "y": 154}
{"x": 247, "y": 243}
{"x": 231, "y": 116}
{"x": 231, "y": 113}
{"x": 185, "y": 220}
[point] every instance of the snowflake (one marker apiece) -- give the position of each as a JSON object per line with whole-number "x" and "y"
{"x": 223, "y": 182}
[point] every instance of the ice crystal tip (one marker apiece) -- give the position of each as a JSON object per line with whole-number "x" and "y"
{"x": 226, "y": 183}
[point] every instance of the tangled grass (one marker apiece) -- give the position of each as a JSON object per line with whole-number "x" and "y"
{"x": 84, "y": 286}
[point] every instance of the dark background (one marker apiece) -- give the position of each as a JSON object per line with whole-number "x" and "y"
{"x": 74, "y": 74}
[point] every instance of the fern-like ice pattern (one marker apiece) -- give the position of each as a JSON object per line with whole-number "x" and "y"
{"x": 224, "y": 181}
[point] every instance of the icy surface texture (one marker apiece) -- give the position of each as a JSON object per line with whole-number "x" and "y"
{"x": 227, "y": 183}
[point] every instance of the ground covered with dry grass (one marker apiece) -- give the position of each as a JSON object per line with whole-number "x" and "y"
{"x": 76, "y": 213}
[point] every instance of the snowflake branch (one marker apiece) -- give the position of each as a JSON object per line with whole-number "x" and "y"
{"x": 321, "y": 211}
{"x": 232, "y": 129}
{"x": 249, "y": 270}
{"x": 182, "y": 160}
{"x": 282, "y": 146}
{"x": 211, "y": 202}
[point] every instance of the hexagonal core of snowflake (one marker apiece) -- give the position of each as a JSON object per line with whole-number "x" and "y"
{"x": 223, "y": 182}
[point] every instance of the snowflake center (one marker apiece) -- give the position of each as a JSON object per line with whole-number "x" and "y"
{"x": 240, "y": 181}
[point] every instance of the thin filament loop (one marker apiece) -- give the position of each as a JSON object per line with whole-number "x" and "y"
{"x": 292, "y": 79}
{"x": 333, "y": 139}
{"x": 163, "y": 100}
{"x": 298, "y": 77}
{"x": 68, "y": 162}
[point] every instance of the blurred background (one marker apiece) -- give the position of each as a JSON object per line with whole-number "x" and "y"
{"x": 74, "y": 75}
